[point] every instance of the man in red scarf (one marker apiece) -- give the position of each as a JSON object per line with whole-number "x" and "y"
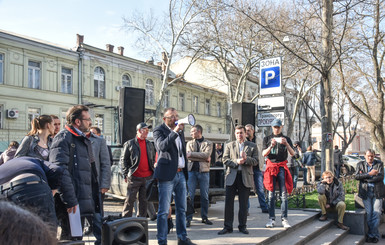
{"x": 276, "y": 148}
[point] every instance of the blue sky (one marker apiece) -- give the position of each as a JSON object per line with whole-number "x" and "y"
{"x": 58, "y": 22}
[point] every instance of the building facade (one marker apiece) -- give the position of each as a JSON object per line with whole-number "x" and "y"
{"x": 37, "y": 77}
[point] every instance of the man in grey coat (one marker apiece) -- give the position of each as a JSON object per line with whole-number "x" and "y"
{"x": 239, "y": 157}
{"x": 103, "y": 168}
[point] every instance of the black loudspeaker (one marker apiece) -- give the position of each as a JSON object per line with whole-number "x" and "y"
{"x": 242, "y": 114}
{"x": 125, "y": 231}
{"x": 131, "y": 112}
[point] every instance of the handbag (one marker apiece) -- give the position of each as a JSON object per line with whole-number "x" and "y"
{"x": 152, "y": 194}
{"x": 190, "y": 206}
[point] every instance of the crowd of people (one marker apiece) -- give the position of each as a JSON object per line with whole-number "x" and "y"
{"x": 56, "y": 172}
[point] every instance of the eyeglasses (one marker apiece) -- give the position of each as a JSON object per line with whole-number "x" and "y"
{"x": 173, "y": 117}
{"x": 86, "y": 119}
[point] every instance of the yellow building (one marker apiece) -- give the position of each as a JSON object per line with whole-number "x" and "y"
{"x": 38, "y": 77}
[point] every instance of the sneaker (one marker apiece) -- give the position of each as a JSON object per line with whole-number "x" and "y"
{"x": 285, "y": 223}
{"x": 270, "y": 224}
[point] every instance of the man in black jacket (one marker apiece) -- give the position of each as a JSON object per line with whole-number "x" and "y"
{"x": 28, "y": 182}
{"x": 72, "y": 150}
{"x": 137, "y": 159}
{"x": 370, "y": 173}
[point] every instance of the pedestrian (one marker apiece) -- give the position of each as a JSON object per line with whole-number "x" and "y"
{"x": 331, "y": 198}
{"x": 309, "y": 160}
{"x": 38, "y": 141}
{"x": 27, "y": 182}
{"x": 338, "y": 161}
{"x": 9, "y": 153}
{"x": 371, "y": 189}
{"x": 198, "y": 154}
{"x": 239, "y": 158}
{"x": 56, "y": 124}
{"x": 276, "y": 148}
{"x": 137, "y": 159}
{"x": 103, "y": 169}
{"x": 171, "y": 172}
{"x": 73, "y": 150}
{"x": 258, "y": 172}
{"x": 20, "y": 226}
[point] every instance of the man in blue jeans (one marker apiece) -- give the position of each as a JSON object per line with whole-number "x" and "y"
{"x": 171, "y": 172}
{"x": 276, "y": 148}
{"x": 370, "y": 173}
{"x": 258, "y": 173}
{"x": 198, "y": 154}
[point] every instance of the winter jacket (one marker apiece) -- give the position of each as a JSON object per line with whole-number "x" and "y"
{"x": 308, "y": 158}
{"x": 338, "y": 193}
{"x": 7, "y": 155}
{"x": 55, "y": 176}
{"x": 28, "y": 145}
{"x": 81, "y": 172}
{"x": 102, "y": 160}
{"x": 201, "y": 155}
{"x": 130, "y": 157}
{"x": 364, "y": 178}
{"x": 337, "y": 157}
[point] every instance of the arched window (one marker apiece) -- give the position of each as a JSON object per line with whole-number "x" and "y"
{"x": 149, "y": 92}
{"x": 126, "y": 81}
{"x": 99, "y": 83}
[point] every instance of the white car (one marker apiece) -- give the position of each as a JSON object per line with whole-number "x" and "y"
{"x": 351, "y": 161}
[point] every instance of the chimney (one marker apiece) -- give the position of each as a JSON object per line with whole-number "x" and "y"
{"x": 79, "y": 39}
{"x": 121, "y": 50}
{"x": 110, "y": 48}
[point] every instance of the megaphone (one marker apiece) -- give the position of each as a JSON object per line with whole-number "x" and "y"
{"x": 190, "y": 119}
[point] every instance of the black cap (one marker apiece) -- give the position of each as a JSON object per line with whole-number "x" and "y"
{"x": 143, "y": 125}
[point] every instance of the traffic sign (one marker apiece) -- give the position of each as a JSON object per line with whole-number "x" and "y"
{"x": 265, "y": 119}
{"x": 270, "y": 76}
{"x": 271, "y": 103}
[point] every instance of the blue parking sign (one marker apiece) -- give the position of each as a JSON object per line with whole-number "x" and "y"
{"x": 270, "y": 76}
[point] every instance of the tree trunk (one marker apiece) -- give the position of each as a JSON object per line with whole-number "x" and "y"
{"x": 325, "y": 91}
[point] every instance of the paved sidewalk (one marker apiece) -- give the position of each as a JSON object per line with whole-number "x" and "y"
{"x": 207, "y": 234}
{"x": 203, "y": 234}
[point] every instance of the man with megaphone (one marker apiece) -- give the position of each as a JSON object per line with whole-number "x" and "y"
{"x": 171, "y": 172}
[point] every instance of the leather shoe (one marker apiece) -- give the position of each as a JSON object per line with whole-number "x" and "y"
{"x": 185, "y": 242}
{"x": 323, "y": 217}
{"x": 265, "y": 211}
{"x": 244, "y": 231}
{"x": 207, "y": 221}
{"x": 342, "y": 226}
{"x": 224, "y": 231}
{"x": 188, "y": 223}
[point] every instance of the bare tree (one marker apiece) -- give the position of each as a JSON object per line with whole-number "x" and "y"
{"x": 164, "y": 36}
{"x": 315, "y": 26}
{"x": 367, "y": 87}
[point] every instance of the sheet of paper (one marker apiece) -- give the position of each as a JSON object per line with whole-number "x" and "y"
{"x": 75, "y": 223}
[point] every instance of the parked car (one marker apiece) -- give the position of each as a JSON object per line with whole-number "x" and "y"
{"x": 351, "y": 162}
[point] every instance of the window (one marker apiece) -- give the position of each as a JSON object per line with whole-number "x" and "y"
{"x": 208, "y": 129}
{"x": 32, "y": 113}
{"x": 1, "y": 69}
{"x": 207, "y": 107}
{"x": 219, "y": 109}
{"x": 99, "y": 121}
{"x": 166, "y": 99}
{"x": 63, "y": 118}
{"x": 33, "y": 74}
{"x": 1, "y": 116}
{"x": 99, "y": 83}
{"x": 126, "y": 81}
{"x": 195, "y": 104}
{"x": 181, "y": 101}
{"x": 66, "y": 80}
{"x": 149, "y": 92}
